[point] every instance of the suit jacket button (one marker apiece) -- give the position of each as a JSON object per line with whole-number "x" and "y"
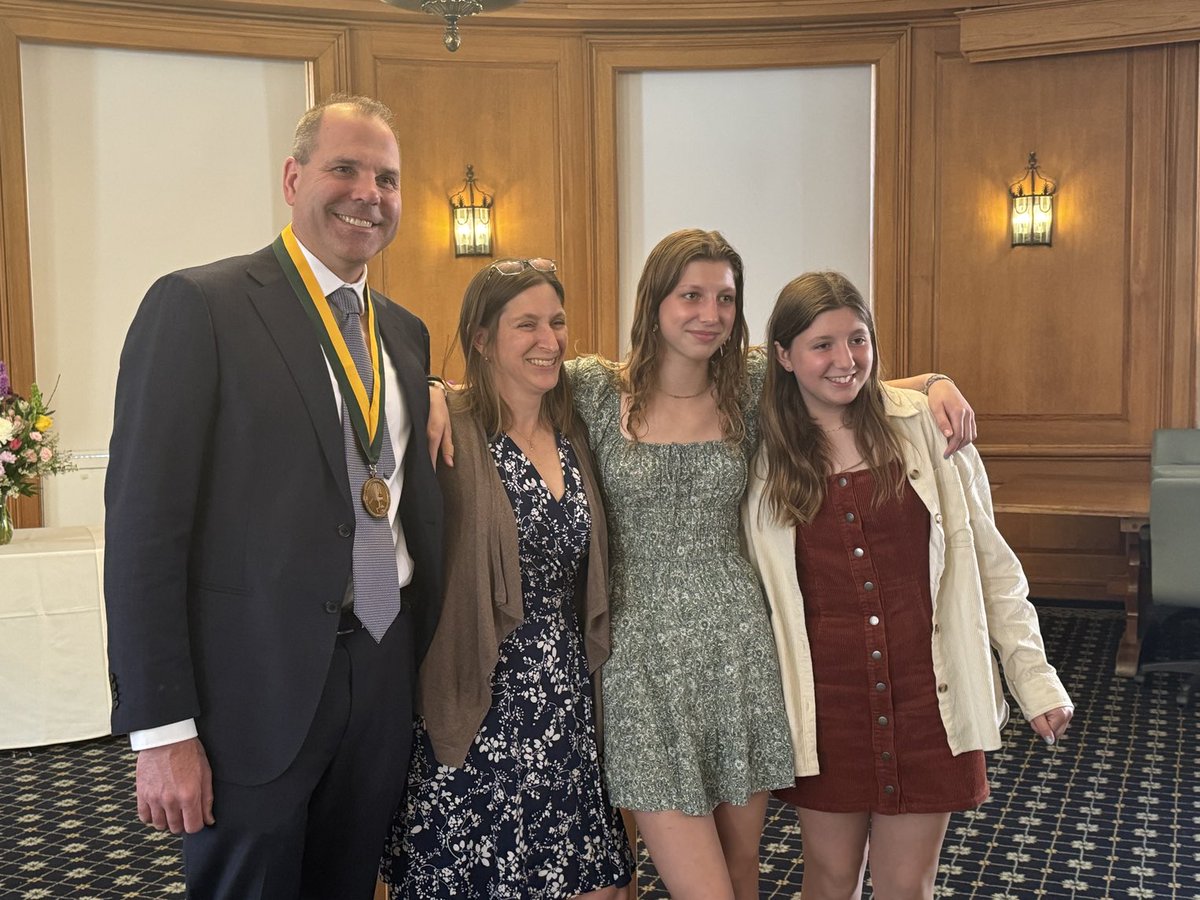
{"x": 332, "y": 606}
{"x": 345, "y": 530}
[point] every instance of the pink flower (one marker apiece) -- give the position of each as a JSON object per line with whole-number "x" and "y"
{"x": 45, "y": 454}
{"x": 30, "y": 455}
{"x": 6, "y": 457}
{"x": 14, "y": 444}
{"x": 35, "y": 436}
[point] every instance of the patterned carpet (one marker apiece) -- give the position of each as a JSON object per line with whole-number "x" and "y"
{"x": 1111, "y": 813}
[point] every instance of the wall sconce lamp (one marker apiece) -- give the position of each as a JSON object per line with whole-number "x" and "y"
{"x": 471, "y": 217}
{"x": 452, "y": 11}
{"x": 1032, "y": 207}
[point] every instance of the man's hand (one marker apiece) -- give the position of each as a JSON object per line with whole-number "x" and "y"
{"x": 174, "y": 787}
{"x": 953, "y": 414}
{"x": 437, "y": 429}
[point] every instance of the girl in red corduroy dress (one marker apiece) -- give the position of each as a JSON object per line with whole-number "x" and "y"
{"x": 888, "y": 585}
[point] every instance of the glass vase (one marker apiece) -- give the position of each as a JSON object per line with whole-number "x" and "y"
{"x": 6, "y": 525}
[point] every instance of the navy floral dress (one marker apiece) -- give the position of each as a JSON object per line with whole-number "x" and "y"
{"x": 527, "y": 816}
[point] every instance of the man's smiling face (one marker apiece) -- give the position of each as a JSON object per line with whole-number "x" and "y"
{"x": 345, "y": 198}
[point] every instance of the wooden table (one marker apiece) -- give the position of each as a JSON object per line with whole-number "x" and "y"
{"x": 1126, "y": 501}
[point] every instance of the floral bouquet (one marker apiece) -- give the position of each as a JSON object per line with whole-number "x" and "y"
{"x": 28, "y": 447}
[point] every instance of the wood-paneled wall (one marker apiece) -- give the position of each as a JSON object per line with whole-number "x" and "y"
{"x": 1071, "y": 354}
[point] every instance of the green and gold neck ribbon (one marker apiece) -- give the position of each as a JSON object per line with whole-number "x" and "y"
{"x": 364, "y": 411}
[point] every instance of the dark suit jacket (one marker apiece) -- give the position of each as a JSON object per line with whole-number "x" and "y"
{"x": 229, "y": 523}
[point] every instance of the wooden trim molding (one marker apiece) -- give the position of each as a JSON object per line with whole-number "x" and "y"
{"x": 625, "y": 15}
{"x": 1075, "y": 26}
{"x": 1181, "y": 321}
{"x": 440, "y": 119}
{"x": 885, "y": 50}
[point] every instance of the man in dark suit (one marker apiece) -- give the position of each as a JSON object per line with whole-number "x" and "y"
{"x": 271, "y": 726}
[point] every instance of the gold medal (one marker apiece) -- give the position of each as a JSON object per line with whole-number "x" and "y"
{"x": 376, "y": 497}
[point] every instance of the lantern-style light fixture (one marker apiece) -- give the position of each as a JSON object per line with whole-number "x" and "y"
{"x": 452, "y": 11}
{"x": 471, "y": 217}
{"x": 1032, "y": 199}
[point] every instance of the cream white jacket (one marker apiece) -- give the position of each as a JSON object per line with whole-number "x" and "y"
{"x": 980, "y": 595}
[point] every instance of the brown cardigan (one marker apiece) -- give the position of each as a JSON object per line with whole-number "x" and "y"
{"x": 482, "y": 604}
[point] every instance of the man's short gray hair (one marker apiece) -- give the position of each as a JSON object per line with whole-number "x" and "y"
{"x": 305, "y": 138}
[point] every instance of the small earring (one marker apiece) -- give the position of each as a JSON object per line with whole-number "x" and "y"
{"x": 654, "y": 328}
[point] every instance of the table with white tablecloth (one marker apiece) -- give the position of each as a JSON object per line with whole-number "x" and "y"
{"x": 53, "y": 664}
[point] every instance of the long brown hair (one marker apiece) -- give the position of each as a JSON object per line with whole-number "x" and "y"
{"x": 661, "y": 273}
{"x": 798, "y": 452}
{"x": 483, "y": 302}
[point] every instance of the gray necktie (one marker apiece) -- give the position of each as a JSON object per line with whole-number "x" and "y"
{"x": 376, "y": 584}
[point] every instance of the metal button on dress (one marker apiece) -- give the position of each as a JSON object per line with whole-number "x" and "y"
{"x": 332, "y": 606}
{"x": 849, "y": 517}
{"x": 345, "y": 530}
{"x": 875, "y": 654}
{"x": 873, "y": 620}
{"x": 885, "y": 756}
{"x": 880, "y": 686}
{"x": 942, "y": 688}
{"x": 869, "y": 586}
{"x": 882, "y": 720}
{"x": 938, "y": 518}
{"x": 937, "y": 629}
{"x": 888, "y": 789}
{"x": 914, "y": 474}
{"x": 842, "y": 481}
{"x": 858, "y": 552}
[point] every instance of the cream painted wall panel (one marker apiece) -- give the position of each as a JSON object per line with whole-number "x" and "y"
{"x": 139, "y": 163}
{"x": 777, "y": 160}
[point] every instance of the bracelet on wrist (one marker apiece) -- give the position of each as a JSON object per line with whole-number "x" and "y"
{"x": 932, "y": 380}
{"x": 434, "y": 380}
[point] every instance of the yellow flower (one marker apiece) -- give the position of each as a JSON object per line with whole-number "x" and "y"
{"x": 43, "y": 423}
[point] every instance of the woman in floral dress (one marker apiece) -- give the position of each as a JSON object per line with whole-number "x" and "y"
{"x": 505, "y": 796}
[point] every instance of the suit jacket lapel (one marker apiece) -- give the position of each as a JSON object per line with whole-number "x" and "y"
{"x": 293, "y": 334}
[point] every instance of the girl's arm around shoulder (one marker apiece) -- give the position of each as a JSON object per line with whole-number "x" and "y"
{"x": 594, "y": 382}
{"x": 588, "y": 373}
{"x": 756, "y": 368}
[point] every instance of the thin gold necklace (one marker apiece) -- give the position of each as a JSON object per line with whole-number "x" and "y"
{"x": 530, "y": 440}
{"x": 703, "y": 390}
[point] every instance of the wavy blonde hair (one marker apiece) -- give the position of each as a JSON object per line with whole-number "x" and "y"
{"x": 727, "y": 367}
{"x": 798, "y": 452}
{"x": 483, "y": 301}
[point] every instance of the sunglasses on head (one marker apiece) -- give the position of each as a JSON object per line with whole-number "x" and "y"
{"x": 517, "y": 266}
